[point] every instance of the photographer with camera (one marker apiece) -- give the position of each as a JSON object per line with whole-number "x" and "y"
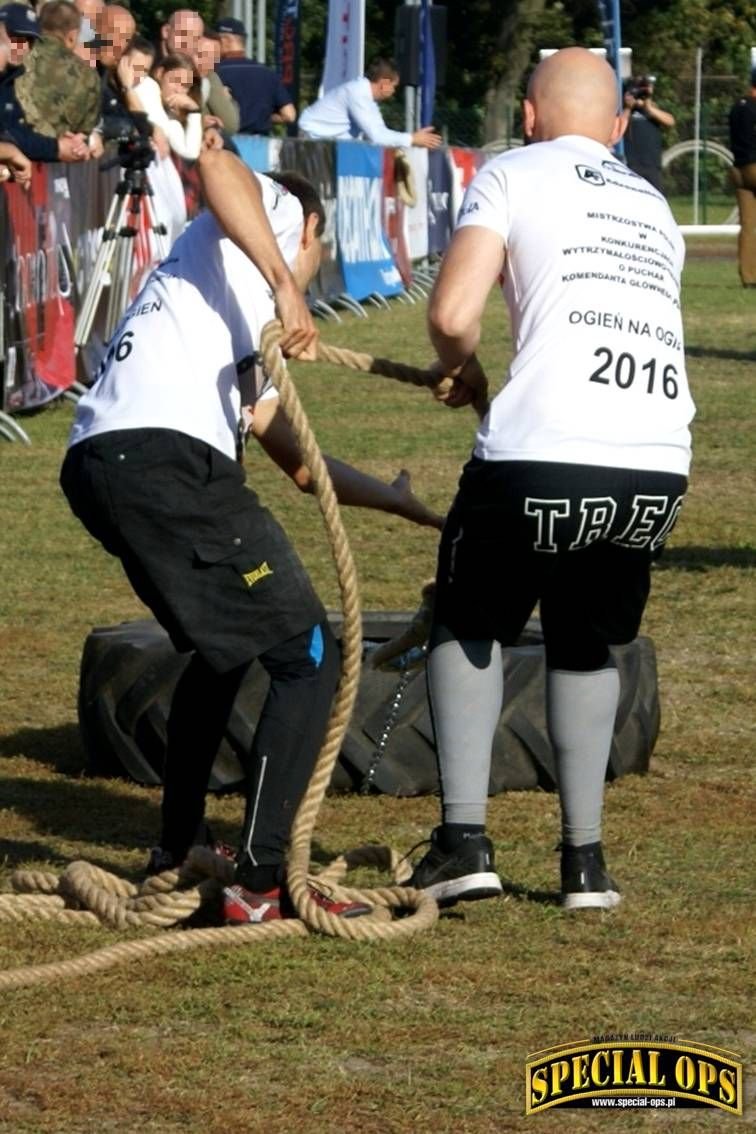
{"x": 643, "y": 136}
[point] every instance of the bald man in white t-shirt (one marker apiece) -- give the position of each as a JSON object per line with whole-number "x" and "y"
{"x": 579, "y": 467}
{"x": 154, "y": 472}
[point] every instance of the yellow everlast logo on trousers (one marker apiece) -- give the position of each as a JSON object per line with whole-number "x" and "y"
{"x": 252, "y": 577}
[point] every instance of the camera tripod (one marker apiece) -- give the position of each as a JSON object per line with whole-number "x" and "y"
{"x": 131, "y": 218}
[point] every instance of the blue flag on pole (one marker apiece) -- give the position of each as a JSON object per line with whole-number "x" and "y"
{"x": 609, "y": 13}
{"x": 287, "y": 36}
{"x": 427, "y": 66}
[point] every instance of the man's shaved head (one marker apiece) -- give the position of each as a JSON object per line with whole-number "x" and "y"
{"x": 117, "y": 25}
{"x": 572, "y": 92}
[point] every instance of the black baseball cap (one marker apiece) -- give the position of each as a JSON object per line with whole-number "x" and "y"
{"x": 231, "y": 26}
{"x": 20, "y": 21}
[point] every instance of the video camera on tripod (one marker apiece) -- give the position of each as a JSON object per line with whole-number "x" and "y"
{"x": 131, "y": 218}
{"x": 133, "y": 133}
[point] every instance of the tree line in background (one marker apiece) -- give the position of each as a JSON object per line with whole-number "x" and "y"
{"x": 495, "y": 46}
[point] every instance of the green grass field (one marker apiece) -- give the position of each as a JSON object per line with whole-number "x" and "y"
{"x": 713, "y": 208}
{"x": 325, "y": 1036}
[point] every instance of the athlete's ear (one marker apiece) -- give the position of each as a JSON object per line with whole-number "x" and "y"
{"x": 620, "y": 125}
{"x": 528, "y": 118}
{"x": 309, "y": 232}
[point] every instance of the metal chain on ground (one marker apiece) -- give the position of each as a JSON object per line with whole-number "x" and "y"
{"x": 406, "y": 664}
{"x": 85, "y": 893}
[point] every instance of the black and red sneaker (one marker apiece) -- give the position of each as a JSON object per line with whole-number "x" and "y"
{"x": 243, "y": 907}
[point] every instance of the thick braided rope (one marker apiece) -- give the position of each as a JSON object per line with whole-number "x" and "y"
{"x": 298, "y": 862}
{"x": 367, "y": 364}
{"x": 387, "y": 368}
{"x": 82, "y": 882}
{"x": 85, "y": 893}
{"x": 142, "y": 948}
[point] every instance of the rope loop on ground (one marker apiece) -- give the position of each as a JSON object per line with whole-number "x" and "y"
{"x": 86, "y": 894}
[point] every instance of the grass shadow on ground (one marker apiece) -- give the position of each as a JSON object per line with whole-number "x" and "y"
{"x": 526, "y": 894}
{"x": 14, "y": 852}
{"x": 59, "y": 747}
{"x": 701, "y": 558}
{"x": 720, "y": 352}
{"x": 79, "y": 809}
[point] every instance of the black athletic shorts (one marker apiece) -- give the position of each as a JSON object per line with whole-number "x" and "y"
{"x": 577, "y": 538}
{"x": 213, "y": 565}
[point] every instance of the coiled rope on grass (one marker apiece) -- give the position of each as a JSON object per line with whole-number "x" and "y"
{"x": 84, "y": 893}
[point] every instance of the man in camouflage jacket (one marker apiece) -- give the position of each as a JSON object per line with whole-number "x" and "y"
{"x": 58, "y": 91}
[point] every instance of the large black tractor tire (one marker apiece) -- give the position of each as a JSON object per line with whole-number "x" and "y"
{"x": 129, "y": 672}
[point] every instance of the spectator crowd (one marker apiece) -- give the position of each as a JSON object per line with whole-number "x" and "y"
{"x": 73, "y": 73}
{"x": 76, "y": 74}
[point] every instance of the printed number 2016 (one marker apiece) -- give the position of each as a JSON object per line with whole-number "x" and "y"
{"x": 625, "y": 367}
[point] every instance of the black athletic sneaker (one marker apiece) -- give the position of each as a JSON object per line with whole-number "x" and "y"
{"x": 585, "y": 881}
{"x": 161, "y": 860}
{"x": 465, "y": 874}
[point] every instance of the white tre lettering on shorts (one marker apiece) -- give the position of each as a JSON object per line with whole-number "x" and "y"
{"x": 652, "y": 519}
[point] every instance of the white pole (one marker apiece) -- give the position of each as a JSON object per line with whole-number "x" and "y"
{"x": 248, "y": 19}
{"x": 697, "y": 132}
{"x": 409, "y": 110}
{"x": 261, "y": 31}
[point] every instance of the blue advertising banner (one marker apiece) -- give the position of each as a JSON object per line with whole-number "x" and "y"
{"x": 439, "y": 200}
{"x": 366, "y": 261}
{"x": 257, "y": 152}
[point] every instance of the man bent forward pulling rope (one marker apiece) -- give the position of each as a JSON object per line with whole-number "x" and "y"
{"x": 152, "y": 472}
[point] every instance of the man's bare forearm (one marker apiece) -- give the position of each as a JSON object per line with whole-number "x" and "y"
{"x": 233, "y": 195}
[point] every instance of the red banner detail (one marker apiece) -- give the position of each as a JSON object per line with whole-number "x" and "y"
{"x": 41, "y": 307}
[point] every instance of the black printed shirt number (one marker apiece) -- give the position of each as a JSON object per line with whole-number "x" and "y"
{"x": 623, "y": 369}
{"x": 119, "y": 351}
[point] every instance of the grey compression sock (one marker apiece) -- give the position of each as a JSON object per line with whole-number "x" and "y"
{"x": 580, "y": 712}
{"x": 465, "y": 685}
